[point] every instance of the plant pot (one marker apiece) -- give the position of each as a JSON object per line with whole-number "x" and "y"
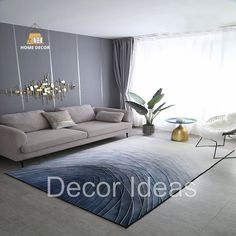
{"x": 148, "y": 129}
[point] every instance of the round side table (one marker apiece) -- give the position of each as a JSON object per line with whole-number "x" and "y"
{"x": 180, "y": 134}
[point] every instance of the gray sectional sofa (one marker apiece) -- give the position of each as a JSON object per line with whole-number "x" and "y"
{"x": 28, "y": 134}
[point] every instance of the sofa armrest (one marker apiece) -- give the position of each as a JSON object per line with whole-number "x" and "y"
{"x": 128, "y": 114}
{"x": 11, "y": 140}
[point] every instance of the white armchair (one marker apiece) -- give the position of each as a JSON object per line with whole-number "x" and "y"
{"x": 217, "y": 129}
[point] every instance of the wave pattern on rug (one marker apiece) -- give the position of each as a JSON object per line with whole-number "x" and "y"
{"x": 109, "y": 166}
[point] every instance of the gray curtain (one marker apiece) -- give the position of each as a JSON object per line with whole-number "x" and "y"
{"x": 122, "y": 59}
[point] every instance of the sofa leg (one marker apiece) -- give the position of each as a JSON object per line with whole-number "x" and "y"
{"x": 22, "y": 164}
{"x": 127, "y": 135}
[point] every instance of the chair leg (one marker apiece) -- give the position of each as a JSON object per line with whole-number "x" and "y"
{"x": 198, "y": 142}
{"x": 229, "y": 154}
{"x": 215, "y": 150}
{"x": 216, "y": 145}
{"x": 226, "y": 156}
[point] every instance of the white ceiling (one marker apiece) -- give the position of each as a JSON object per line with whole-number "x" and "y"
{"x": 120, "y": 18}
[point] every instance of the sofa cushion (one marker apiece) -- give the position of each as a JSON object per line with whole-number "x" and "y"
{"x": 95, "y": 128}
{"x": 50, "y": 137}
{"x": 80, "y": 113}
{"x": 128, "y": 114}
{"x": 25, "y": 121}
{"x": 110, "y": 116}
{"x": 59, "y": 119}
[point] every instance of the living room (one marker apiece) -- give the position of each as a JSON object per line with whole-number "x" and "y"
{"x": 117, "y": 118}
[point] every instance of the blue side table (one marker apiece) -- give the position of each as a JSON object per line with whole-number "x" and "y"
{"x": 180, "y": 134}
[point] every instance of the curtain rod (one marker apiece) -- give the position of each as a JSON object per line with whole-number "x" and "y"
{"x": 186, "y": 33}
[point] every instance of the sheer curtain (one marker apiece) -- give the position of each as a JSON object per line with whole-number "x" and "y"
{"x": 197, "y": 73}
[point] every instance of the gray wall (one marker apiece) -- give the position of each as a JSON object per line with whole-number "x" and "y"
{"x": 84, "y": 60}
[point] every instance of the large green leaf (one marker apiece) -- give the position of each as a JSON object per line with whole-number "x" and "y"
{"x": 164, "y": 108}
{"x": 136, "y": 98}
{"x": 158, "y": 109}
{"x": 155, "y": 100}
{"x": 158, "y": 92}
{"x": 138, "y": 108}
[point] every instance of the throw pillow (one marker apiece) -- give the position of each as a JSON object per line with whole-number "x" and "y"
{"x": 59, "y": 119}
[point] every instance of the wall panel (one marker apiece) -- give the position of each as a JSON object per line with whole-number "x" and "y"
{"x": 33, "y": 65}
{"x": 64, "y": 64}
{"x": 9, "y": 77}
{"x": 84, "y": 60}
{"x": 90, "y": 70}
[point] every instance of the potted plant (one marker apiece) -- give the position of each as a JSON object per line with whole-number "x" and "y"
{"x": 148, "y": 110}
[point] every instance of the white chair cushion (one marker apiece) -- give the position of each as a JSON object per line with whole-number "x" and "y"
{"x": 214, "y": 128}
{"x": 231, "y": 118}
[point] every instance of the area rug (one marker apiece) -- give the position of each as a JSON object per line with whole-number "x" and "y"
{"x": 128, "y": 162}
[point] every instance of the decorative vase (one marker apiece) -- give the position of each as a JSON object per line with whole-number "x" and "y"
{"x": 148, "y": 129}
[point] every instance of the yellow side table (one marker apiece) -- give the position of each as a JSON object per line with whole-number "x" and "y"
{"x": 180, "y": 133}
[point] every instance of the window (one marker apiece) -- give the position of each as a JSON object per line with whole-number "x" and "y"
{"x": 197, "y": 73}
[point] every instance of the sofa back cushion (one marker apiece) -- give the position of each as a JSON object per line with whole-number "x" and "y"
{"x": 26, "y": 121}
{"x": 109, "y": 116}
{"x": 80, "y": 113}
{"x": 59, "y": 119}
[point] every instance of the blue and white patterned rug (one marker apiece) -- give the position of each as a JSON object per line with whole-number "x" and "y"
{"x": 128, "y": 162}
